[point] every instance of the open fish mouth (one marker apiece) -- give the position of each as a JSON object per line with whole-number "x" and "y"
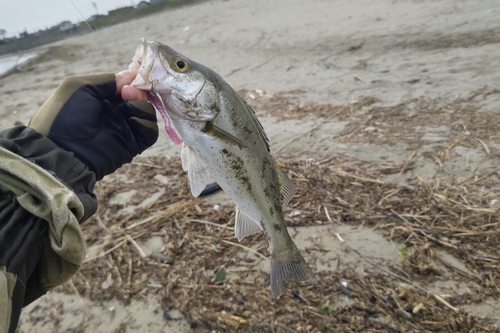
{"x": 147, "y": 64}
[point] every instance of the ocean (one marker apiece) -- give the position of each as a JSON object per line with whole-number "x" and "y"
{"x": 9, "y": 62}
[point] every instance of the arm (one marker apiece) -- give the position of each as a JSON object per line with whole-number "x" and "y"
{"x": 84, "y": 131}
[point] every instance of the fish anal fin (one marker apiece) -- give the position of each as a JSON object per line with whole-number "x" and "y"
{"x": 287, "y": 186}
{"x": 244, "y": 225}
{"x": 288, "y": 267}
{"x": 198, "y": 174}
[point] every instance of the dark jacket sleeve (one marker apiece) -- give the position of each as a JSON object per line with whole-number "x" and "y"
{"x": 45, "y": 193}
{"x": 36, "y": 148}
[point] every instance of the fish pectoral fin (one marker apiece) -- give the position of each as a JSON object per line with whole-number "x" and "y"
{"x": 287, "y": 186}
{"x": 244, "y": 225}
{"x": 219, "y": 133}
{"x": 198, "y": 174}
{"x": 185, "y": 156}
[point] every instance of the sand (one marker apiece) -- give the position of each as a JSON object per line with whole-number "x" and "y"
{"x": 398, "y": 52}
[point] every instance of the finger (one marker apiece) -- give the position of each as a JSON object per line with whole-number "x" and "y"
{"x": 124, "y": 78}
{"x": 133, "y": 94}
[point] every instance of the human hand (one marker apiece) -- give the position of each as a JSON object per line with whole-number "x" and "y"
{"x": 100, "y": 118}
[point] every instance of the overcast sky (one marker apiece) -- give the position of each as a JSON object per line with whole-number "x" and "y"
{"x": 17, "y": 16}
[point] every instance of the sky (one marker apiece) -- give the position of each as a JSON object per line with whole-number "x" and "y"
{"x": 17, "y": 16}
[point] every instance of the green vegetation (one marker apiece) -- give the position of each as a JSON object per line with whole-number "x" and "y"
{"x": 100, "y": 22}
{"x": 328, "y": 308}
{"x": 403, "y": 250}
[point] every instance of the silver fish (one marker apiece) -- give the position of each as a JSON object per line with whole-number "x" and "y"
{"x": 223, "y": 140}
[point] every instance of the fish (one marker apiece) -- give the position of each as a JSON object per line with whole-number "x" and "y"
{"x": 223, "y": 140}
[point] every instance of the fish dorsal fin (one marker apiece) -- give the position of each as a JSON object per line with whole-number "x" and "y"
{"x": 287, "y": 186}
{"x": 231, "y": 100}
{"x": 198, "y": 174}
{"x": 244, "y": 225}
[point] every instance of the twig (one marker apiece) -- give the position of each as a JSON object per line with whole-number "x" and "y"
{"x": 246, "y": 248}
{"x": 388, "y": 196}
{"x": 416, "y": 285}
{"x": 434, "y": 253}
{"x": 136, "y": 246}
{"x": 297, "y": 137}
{"x": 471, "y": 174}
{"x": 147, "y": 165}
{"x": 130, "y": 270}
{"x": 106, "y": 252}
{"x": 201, "y": 285}
{"x": 284, "y": 328}
{"x": 318, "y": 314}
{"x": 158, "y": 264}
{"x": 328, "y": 215}
{"x": 348, "y": 136}
{"x": 482, "y": 210}
{"x": 212, "y": 223}
{"x": 331, "y": 221}
{"x": 345, "y": 174}
{"x": 407, "y": 162}
{"x": 181, "y": 242}
{"x": 72, "y": 285}
{"x": 136, "y": 224}
{"x": 446, "y": 152}
{"x": 485, "y": 176}
{"x": 178, "y": 227}
{"x": 484, "y": 146}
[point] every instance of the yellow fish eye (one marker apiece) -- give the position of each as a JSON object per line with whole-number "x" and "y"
{"x": 180, "y": 65}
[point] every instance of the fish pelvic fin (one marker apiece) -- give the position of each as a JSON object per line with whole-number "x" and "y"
{"x": 288, "y": 267}
{"x": 287, "y": 187}
{"x": 185, "y": 156}
{"x": 198, "y": 174}
{"x": 244, "y": 225}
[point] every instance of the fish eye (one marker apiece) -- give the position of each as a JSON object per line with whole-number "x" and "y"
{"x": 180, "y": 65}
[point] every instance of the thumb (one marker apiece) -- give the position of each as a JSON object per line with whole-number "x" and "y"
{"x": 124, "y": 78}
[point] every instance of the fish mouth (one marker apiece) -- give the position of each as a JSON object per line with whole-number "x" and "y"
{"x": 150, "y": 71}
{"x": 147, "y": 64}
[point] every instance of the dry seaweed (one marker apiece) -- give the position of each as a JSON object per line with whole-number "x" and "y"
{"x": 199, "y": 242}
{"x": 217, "y": 282}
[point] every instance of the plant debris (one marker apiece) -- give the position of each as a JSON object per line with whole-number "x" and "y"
{"x": 186, "y": 272}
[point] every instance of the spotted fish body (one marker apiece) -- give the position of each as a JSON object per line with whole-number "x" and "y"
{"x": 223, "y": 140}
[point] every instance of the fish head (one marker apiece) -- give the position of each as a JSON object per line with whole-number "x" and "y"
{"x": 180, "y": 82}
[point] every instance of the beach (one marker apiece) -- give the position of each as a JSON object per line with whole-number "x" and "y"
{"x": 395, "y": 104}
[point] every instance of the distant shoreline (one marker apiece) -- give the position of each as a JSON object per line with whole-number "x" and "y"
{"x": 52, "y": 35}
{"x": 12, "y": 62}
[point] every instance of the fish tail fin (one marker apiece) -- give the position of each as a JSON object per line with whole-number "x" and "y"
{"x": 288, "y": 267}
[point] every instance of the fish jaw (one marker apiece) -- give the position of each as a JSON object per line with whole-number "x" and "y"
{"x": 186, "y": 93}
{"x": 148, "y": 66}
